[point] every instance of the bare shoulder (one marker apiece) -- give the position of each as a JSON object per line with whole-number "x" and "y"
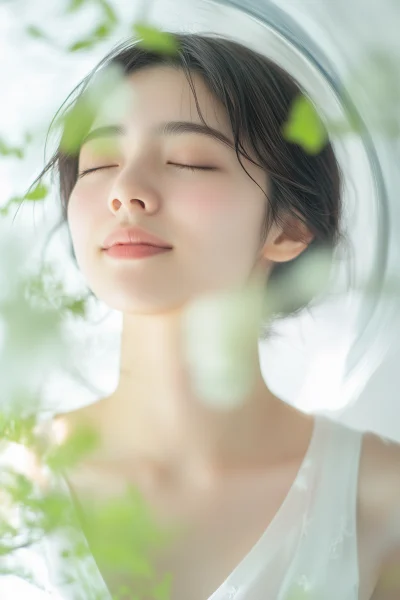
{"x": 379, "y": 476}
{"x": 379, "y": 509}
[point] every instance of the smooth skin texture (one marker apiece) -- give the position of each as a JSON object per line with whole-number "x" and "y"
{"x": 155, "y": 429}
{"x": 213, "y": 220}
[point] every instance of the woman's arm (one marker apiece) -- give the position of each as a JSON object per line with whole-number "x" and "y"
{"x": 388, "y": 586}
{"x": 386, "y": 470}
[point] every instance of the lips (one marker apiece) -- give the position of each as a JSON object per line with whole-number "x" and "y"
{"x": 133, "y": 236}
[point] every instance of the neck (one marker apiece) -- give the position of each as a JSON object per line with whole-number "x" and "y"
{"x": 158, "y": 412}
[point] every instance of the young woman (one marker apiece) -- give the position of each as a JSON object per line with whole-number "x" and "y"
{"x": 274, "y": 502}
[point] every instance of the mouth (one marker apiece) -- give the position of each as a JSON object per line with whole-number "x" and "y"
{"x": 133, "y": 236}
{"x": 125, "y": 251}
{"x": 136, "y": 244}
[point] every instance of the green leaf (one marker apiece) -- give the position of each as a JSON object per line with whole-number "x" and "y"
{"x": 102, "y": 31}
{"x": 39, "y": 193}
{"x": 75, "y": 5}
{"x": 109, "y": 12}
{"x": 17, "y": 429}
{"x": 54, "y": 508}
{"x": 304, "y": 127}
{"x": 35, "y": 32}
{"x": 154, "y": 39}
{"x": 76, "y": 123}
{"x": 108, "y": 84}
{"x": 6, "y": 150}
{"x": 4, "y": 210}
{"x": 83, "y": 439}
{"x": 122, "y": 536}
{"x": 76, "y": 306}
{"x": 82, "y": 45}
{"x": 163, "y": 590}
{"x": 22, "y": 488}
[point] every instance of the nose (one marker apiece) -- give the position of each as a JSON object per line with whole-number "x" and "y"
{"x": 133, "y": 191}
{"x": 116, "y": 204}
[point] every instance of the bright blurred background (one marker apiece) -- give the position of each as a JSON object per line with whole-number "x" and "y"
{"x": 38, "y": 72}
{"x": 308, "y": 365}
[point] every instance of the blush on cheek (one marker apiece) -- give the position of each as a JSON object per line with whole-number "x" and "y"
{"x": 209, "y": 199}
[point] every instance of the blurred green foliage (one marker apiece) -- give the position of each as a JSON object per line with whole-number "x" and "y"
{"x": 104, "y": 28}
{"x": 378, "y": 80}
{"x": 75, "y": 5}
{"x": 155, "y": 40}
{"x": 36, "y": 32}
{"x": 6, "y": 150}
{"x": 304, "y": 127}
{"x": 119, "y": 532}
{"x": 76, "y": 125}
{"x": 38, "y": 193}
{"x": 95, "y": 100}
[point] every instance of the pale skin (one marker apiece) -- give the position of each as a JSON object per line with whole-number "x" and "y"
{"x": 155, "y": 430}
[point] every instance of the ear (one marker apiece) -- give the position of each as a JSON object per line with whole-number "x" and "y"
{"x": 288, "y": 242}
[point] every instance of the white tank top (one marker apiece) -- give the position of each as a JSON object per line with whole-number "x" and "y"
{"x": 308, "y": 552}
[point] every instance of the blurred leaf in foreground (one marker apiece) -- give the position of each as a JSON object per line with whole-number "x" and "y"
{"x": 36, "y": 32}
{"x": 304, "y": 127}
{"x": 123, "y": 536}
{"x": 75, "y": 5}
{"x": 81, "y": 442}
{"x": 87, "y": 44}
{"x": 107, "y": 86}
{"x": 38, "y": 193}
{"x": 17, "y": 429}
{"x": 219, "y": 329}
{"x": 154, "y": 39}
{"x": 109, "y": 12}
{"x": 6, "y": 150}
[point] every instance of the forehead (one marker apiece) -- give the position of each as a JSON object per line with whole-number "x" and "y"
{"x": 162, "y": 93}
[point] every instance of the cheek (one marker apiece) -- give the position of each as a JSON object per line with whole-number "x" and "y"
{"x": 75, "y": 220}
{"x": 206, "y": 203}
{"x": 229, "y": 213}
{"x": 82, "y": 219}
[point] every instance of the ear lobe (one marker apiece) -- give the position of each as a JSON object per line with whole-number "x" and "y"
{"x": 282, "y": 246}
{"x": 285, "y": 251}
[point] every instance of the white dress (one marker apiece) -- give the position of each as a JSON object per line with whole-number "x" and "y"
{"x": 308, "y": 552}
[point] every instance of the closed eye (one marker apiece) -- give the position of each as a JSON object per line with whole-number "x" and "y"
{"x": 180, "y": 166}
{"x": 86, "y": 171}
{"x": 192, "y": 167}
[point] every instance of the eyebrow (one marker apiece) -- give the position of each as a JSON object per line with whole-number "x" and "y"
{"x": 167, "y": 128}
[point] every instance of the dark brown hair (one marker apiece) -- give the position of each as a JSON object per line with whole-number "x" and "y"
{"x": 257, "y": 95}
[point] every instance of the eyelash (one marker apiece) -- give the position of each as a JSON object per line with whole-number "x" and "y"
{"x": 191, "y": 167}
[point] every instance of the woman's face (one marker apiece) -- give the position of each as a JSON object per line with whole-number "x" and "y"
{"x": 213, "y": 219}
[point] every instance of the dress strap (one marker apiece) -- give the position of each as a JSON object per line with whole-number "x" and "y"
{"x": 327, "y": 545}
